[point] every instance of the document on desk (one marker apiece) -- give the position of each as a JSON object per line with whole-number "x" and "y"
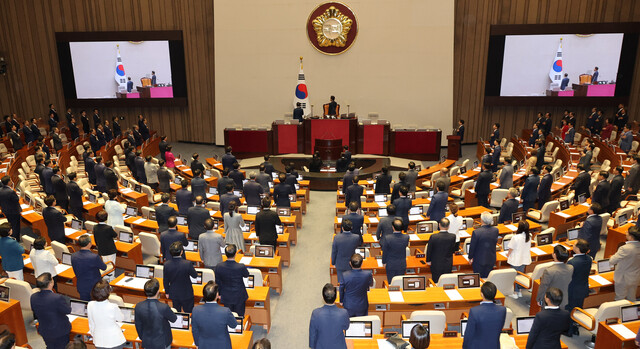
{"x": 511, "y": 227}
{"x": 369, "y": 192}
{"x": 339, "y": 219}
{"x": 212, "y": 213}
{"x": 567, "y": 177}
{"x": 385, "y": 344}
{"x": 69, "y": 231}
{"x": 246, "y": 260}
{"x": 503, "y": 254}
{"x": 586, "y": 204}
{"x": 253, "y": 236}
{"x": 28, "y": 212}
{"x": 126, "y": 190}
{"x": 26, "y": 261}
{"x": 599, "y": 279}
{"x": 379, "y": 260}
{"x": 623, "y": 330}
{"x": 24, "y": 206}
{"x": 375, "y": 238}
{"x": 60, "y": 268}
{"x": 415, "y": 217}
{"x": 373, "y": 220}
{"x": 139, "y": 221}
{"x": 396, "y": 297}
{"x": 465, "y": 256}
{"x": 463, "y": 176}
{"x": 382, "y": 204}
{"x": 414, "y": 237}
{"x": 558, "y": 183}
{"x": 71, "y": 317}
{"x": 562, "y": 214}
{"x": 464, "y": 234}
{"x": 454, "y": 295}
{"x": 134, "y": 282}
{"x": 538, "y": 251}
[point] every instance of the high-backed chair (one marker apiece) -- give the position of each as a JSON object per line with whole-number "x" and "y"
{"x": 590, "y": 318}
{"x": 207, "y": 275}
{"x": 498, "y": 196}
{"x": 437, "y": 319}
{"x": 460, "y": 192}
{"x": 27, "y": 241}
{"x": 526, "y": 280}
{"x": 446, "y": 279}
{"x": 150, "y": 244}
{"x": 542, "y": 215}
{"x": 258, "y": 280}
{"x": 153, "y": 197}
{"x": 59, "y": 249}
{"x": 148, "y": 211}
{"x": 20, "y": 291}
{"x": 508, "y": 318}
{"x": 503, "y": 279}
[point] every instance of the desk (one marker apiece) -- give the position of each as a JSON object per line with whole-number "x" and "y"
{"x": 344, "y": 129}
{"x": 128, "y": 255}
{"x": 416, "y": 144}
{"x": 249, "y": 143}
{"x": 373, "y": 139}
{"x": 568, "y": 218}
{"x": 599, "y": 90}
{"x": 615, "y": 238}
{"x": 11, "y": 315}
{"x": 437, "y": 342}
{"x": 287, "y": 138}
{"x": 607, "y": 337}
{"x": 427, "y": 172}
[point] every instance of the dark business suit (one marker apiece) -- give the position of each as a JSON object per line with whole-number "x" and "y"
{"x": 495, "y": 157}
{"x": 385, "y": 227}
{"x": 615, "y": 194}
{"x": 152, "y": 323}
{"x": 184, "y": 200}
{"x": 52, "y": 124}
{"x": 529, "y": 192}
{"x": 108, "y": 134}
{"x": 357, "y": 221}
{"x": 195, "y": 219}
{"x": 162, "y": 146}
{"x": 403, "y": 205}
{"x": 104, "y": 235}
{"x": 394, "y": 254}
{"x": 281, "y": 193}
{"x": 196, "y": 165}
{"x": 75, "y": 199}
{"x": 544, "y": 190}
{"x": 17, "y": 141}
{"x": 139, "y": 164}
{"x": 484, "y": 326}
{"x": 10, "y": 204}
{"x": 382, "y": 184}
{"x": 222, "y": 184}
{"x": 252, "y": 191}
{"x": 352, "y": 194}
{"x": 167, "y": 238}
{"x": 581, "y": 184}
{"x": 137, "y": 137}
{"x": 101, "y": 139}
{"x": 163, "y": 212}
{"x": 268, "y": 168}
{"x": 632, "y": 180}
{"x": 86, "y": 265}
{"x": 198, "y": 187}
{"x": 298, "y": 114}
{"x": 54, "y": 220}
{"x": 395, "y": 192}
{"x": 327, "y": 326}
{"x": 509, "y": 207}
{"x": 144, "y": 131}
{"x": 534, "y": 137}
{"x": 579, "y": 285}
{"x": 438, "y": 206}
{"x": 89, "y": 167}
{"x": 570, "y": 136}
{"x": 540, "y": 158}
{"x": 111, "y": 179}
{"x": 547, "y": 327}
{"x": 440, "y": 251}
{"x": 483, "y": 187}
{"x": 117, "y": 130}
{"x": 225, "y": 199}
{"x": 177, "y": 283}
{"x": 28, "y": 135}
{"x": 227, "y": 161}
{"x": 51, "y": 310}
{"x": 85, "y": 124}
{"x": 590, "y": 231}
{"x": 101, "y": 183}
{"x": 601, "y": 194}
{"x": 564, "y": 83}
{"x": 229, "y": 277}
{"x": 353, "y": 291}
{"x": 343, "y": 247}
{"x": 494, "y": 135}
{"x": 47, "y": 173}
{"x": 238, "y": 178}
{"x": 164, "y": 180}
{"x": 209, "y": 326}
{"x": 585, "y": 160}
{"x": 265, "y": 225}
{"x": 95, "y": 143}
{"x": 483, "y": 249}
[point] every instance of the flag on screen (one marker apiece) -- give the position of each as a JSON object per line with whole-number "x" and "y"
{"x": 301, "y": 94}
{"x": 555, "y": 74}
{"x": 120, "y": 76}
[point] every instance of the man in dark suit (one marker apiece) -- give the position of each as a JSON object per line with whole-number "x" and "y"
{"x": 84, "y": 119}
{"x": 438, "y": 205}
{"x": 544, "y": 189}
{"x": 108, "y": 133}
{"x": 440, "y": 249}
{"x": 343, "y": 247}
{"x": 152, "y": 318}
{"x": 139, "y": 163}
{"x": 585, "y": 159}
{"x": 549, "y": 323}
{"x": 509, "y": 207}
{"x": 546, "y": 125}
{"x": 353, "y": 192}
{"x": 54, "y": 220}
{"x": 394, "y": 251}
{"x": 354, "y": 286}
{"x": 403, "y": 205}
{"x": 103, "y": 235}
{"x": 129, "y": 85}
{"x": 328, "y": 323}
{"x": 209, "y": 321}
{"x": 52, "y": 123}
{"x": 162, "y": 146}
{"x": 557, "y": 275}
{"x": 176, "y": 280}
{"x": 395, "y": 192}
{"x": 144, "y": 130}
{"x": 94, "y": 141}
{"x": 581, "y": 184}
{"x": 28, "y": 134}
{"x": 411, "y": 176}
{"x": 102, "y": 140}
{"x": 590, "y": 229}
{"x": 357, "y": 220}
{"x": 131, "y": 139}
{"x": 539, "y": 155}
{"x": 615, "y": 194}
{"x": 75, "y": 196}
{"x": 506, "y": 174}
{"x": 529, "y": 192}
{"x": 86, "y": 265}
{"x": 342, "y": 164}
{"x": 265, "y": 224}
{"x": 579, "y": 285}
{"x": 228, "y": 159}
{"x": 483, "y": 185}
{"x": 252, "y": 191}
{"x": 298, "y": 112}
{"x": 485, "y": 321}
{"x": 57, "y": 141}
{"x": 10, "y": 205}
{"x": 291, "y": 176}
{"x": 237, "y": 176}
{"x": 184, "y": 198}
{"x": 632, "y": 181}
{"x": 34, "y": 129}
{"x": 196, "y": 216}
{"x": 224, "y": 181}
{"x": 96, "y": 118}
{"x": 482, "y": 249}
{"x": 170, "y": 236}
{"x": 163, "y": 212}
{"x": 383, "y": 181}
{"x": 347, "y": 179}
{"x": 263, "y": 178}
{"x": 385, "y": 225}
{"x": 495, "y": 155}
{"x": 594, "y": 77}
{"x": 15, "y": 138}
{"x": 487, "y": 158}
{"x": 196, "y": 164}
{"x": 332, "y": 107}
{"x": 198, "y": 184}
{"x": 227, "y": 198}
{"x": 89, "y": 167}
{"x": 101, "y": 183}
{"x": 229, "y": 277}
{"x": 130, "y": 158}
{"x": 115, "y": 126}
{"x": 565, "y": 82}
{"x": 570, "y": 134}
{"x": 47, "y": 173}
{"x": 110, "y": 177}
{"x": 51, "y": 310}
{"x": 602, "y": 191}
{"x": 164, "y": 178}
{"x": 281, "y": 192}
{"x": 495, "y": 133}
{"x": 268, "y": 167}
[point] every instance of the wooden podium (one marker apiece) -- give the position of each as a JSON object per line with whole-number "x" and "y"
{"x": 329, "y": 149}
{"x": 453, "y": 147}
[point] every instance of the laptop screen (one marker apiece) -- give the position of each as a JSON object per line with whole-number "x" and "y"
{"x": 182, "y": 220}
{"x": 247, "y": 227}
{"x": 137, "y": 188}
{"x": 264, "y": 251}
{"x": 213, "y": 190}
{"x": 413, "y": 283}
{"x": 93, "y": 198}
{"x": 382, "y": 212}
{"x": 249, "y": 282}
{"x": 131, "y": 211}
{"x": 177, "y": 180}
{"x": 128, "y": 315}
{"x": 192, "y": 245}
{"x": 468, "y": 280}
{"x": 505, "y": 244}
{"x": 144, "y": 271}
{"x": 622, "y": 219}
{"x": 359, "y": 329}
{"x": 283, "y": 211}
{"x": 604, "y": 266}
{"x": 253, "y": 210}
{"x": 66, "y": 258}
{"x": 408, "y": 325}
{"x": 237, "y": 193}
{"x": 4, "y": 293}
{"x": 124, "y": 236}
{"x": 423, "y": 227}
{"x": 564, "y": 204}
{"x": 463, "y": 327}
{"x": 582, "y": 198}
{"x": 380, "y": 198}
{"x": 78, "y": 307}
{"x": 544, "y": 239}
{"x": 181, "y": 323}
{"x": 76, "y": 224}
{"x": 524, "y": 324}
{"x": 237, "y": 329}
{"x": 517, "y": 217}
{"x": 198, "y": 279}
{"x": 572, "y": 234}
{"x": 415, "y": 210}
{"x": 630, "y": 313}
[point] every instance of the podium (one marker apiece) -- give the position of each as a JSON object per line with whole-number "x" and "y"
{"x": 453, "y": 147}
{"x": 329, "y": 149}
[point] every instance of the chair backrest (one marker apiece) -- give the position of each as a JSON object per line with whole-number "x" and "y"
{"x": 596, "y": 152}
{"x": 503, "y": 142}
{"x": 207, "y": 275}
{"x": 604, "y": 229}
{"x": 498, "y": 196}
{"x": 20, "y": 291}
{"x": 150, "y": 244}
{"x": 466, "y": 185}
{"x": 27, "y": 241}
{"x": 551, "y": 231}
{"x": 508, "y": 318}
{"x": 59, "y": 248}
{"x": 614, "y": 135}
{"x": 634, "y": 145}
{"x": 609, "y": 310}
{"x": 158, "y": 271}
{"x": 80, "y": 149}
{"x": 121, "y": 228}
{"x": 437, "y": 319}
{"x": 503, "y": 279}
{"x": 146, "y": 211}
{"x": 465, "y": 163}
{"x": 213, "y": 205}
{"x": 549, "y": 146}
{"x": 446, "y": 279}
{"x": 257, "y": 276}
{"x": 539, "y": 269}
{"x": 397, "y": 280}
{"x": 89, "y": 225}
{"x": 628, "y": 211}
{"x": 453, "y": 171}
{"x": 376, "y": 324}
{"x": 434, "y": 178}
{"x": 148, "y": 191}
{"x": 546, "y": 210}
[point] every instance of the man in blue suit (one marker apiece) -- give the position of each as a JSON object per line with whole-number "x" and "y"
{"x": 228, "y": 197}
{"x": 51, "y": 310}
{"x": 163, "y": 212}
{"x": 184, "y": 198}
{"x": 544, "y": 189}
{"x": 403, "y": 205}
{"x": 101, "y": 181}
{"x": 594, "y": 77}
{"x": 385, "y": 226}
{"x": 570, "y": 134}
{"x": 152, "y": 318}
{"x": 495, "y": 155}
{"x": 509, "y": 206}
{"x": 86, "y": 265}
{"x": 344, "y": 246}
{"x": 228, "y": 159}
{"x": 353, "y": 192}
{"x": 591, "y": 228}
{"x": 281, "y": 192}
{"x": 565, "y": 82}
{"x": 177, "y": 279}
{"x": 482, "y": 249}
{"x": 129, "y": 85}
{"x": 550, "y": 323}
{"x": 209, "y": 321}
{"x": 328, "y": 323}
{"x": 298, "y": 112}
{"x": 529, "y": 192}
{"x": 170, "y": 236}
{"x": 357, "y": 220}
{"x": 10, "y": 205}
{"x": 47, "y": 173}
{"x": 229, "y": 276}
{"x": 89, "y": 167}
{"x": 353, "y": 289}
{"x": 626, "y": 139}
{"x": 495, "y": 133}
{"x": 438, "y": 204}
{"x": 394, "y": 254}
{"x": 579, "y": 285}
{"x": 485, "y": 321}
{"x": 483, "y": 185}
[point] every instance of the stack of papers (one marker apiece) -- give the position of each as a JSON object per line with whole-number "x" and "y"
{"x": 385, "y": 344}
{"x": 414, "y": 237}
{"x": 69, "y": 231}
{"x": 599, "y": 279}
{"x": 454, "y": 295}
{"x": 396, "y": 297}
{"x": 567, "y": 177}
{"x": 139, "y": 221}
{"x": 373, "y": 220}
{"x": 246, "y": 260}
{"x": 464, "y": 234}
{"x": 415, "y": 217}
{"x": 126, "y": 190}
{"x": 382, "y": 204}
{"x": 24, "y": 206}
{"x": 538, "y": 251}
{"x": 61, "y": 268}
{"x": 27, "y": 261}
{"x": 511, "y": 227}
{"x": 623, "y": 330}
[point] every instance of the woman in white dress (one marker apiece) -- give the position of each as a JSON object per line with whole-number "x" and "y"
{"x": 104, "y": 317}
{"x": 455, "y": 221}
{"x": 43, "y": 261}
{"x": 519, "y": 254}
{"x": 233, "y": 224}
{"x": 114, "y": 209}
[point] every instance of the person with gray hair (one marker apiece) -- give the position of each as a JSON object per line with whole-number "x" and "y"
{"x": 444, "y": 178}
{"x": 509, "y": 206}
{"x": 440, "y": 250}
{"x": 482, "y": 249}
{"x": 252, "y": 190}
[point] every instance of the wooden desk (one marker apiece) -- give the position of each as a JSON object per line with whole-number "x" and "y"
{"x": 566, "y": 219}
{"x": 415, "y": 144}
{"x": 249, "y": 143}
{"x": 607, "y": 337}
{"x": 66, "y": 279}
{"x": 427, "y": 172}
{"x": 437, "y": 342}
{"x": 128, "y": 255}
{"x": 11, "y": 315}
{"x": 139, "y": 199}
{"x": 615, "y": 238}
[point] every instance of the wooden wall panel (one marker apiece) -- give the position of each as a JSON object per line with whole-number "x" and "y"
{"x": 33, "y": 79}
{"x": 472, "y": 22}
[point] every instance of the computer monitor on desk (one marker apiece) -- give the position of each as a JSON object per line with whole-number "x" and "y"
{"x": 191, "y": 246}
{"x": 380, "y": 198}
{"x": 413, "y": 283}
{"x": 78, "y": 307}
{"x": 469, "y": 280}
{"x": 128, "y": 315}
{"x": 524, "y": 324}
{"x": 382, "y": 212}
{"x": 544, "y": 239}
{"x": 516, "y": 217}
{"x": 359, "y": 329}
{"x": 125, "y": 236}
{"x": 264, "y": 251}
{"x": 238, "y": 328}
{"x": 182, "y": 322}
{"x": 572, "y": 234}
{"x": 66, "y": 258}
{"x": 144, "y": 271}
{"x": 604, "y": 266}
{"x": 5, "y": 293}
{"x": 408, "y": 325}
{"x": 630, "y": 313}
{"x": 415, "y": 210}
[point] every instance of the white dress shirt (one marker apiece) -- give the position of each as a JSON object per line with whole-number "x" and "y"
{"x": 43, "y": 261}
{"x": 520, "y": 250}
{"x": 455, "y": 224}
{"x": 115, "y": 211}
{"x": 103, "y": 327}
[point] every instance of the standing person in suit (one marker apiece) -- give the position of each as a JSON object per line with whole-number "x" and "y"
{"x": 485, "y": 321}
{"x": 565, "y": 82}
{"x": 224, "y": 182}
{"x": 539, "y": 155}
{"x": 115, "y": 210}
{"x": 615, "y": 195}
{"x": 602, "y": 191}
{"x": 411, "y": 176}
{"x": 298, "y": 112}
{"x": 11, "y": 253}
{"x": 495, "y": 133}
{"x": 101, "y": 137}
{"x": 627, "y": 261}
{"x": 47, "y": 173}
{"x": 438, "y": 205}
{"x": 54, "y": 220}
{"x": 482, "y": 187}
{"x": 209, "y": 321}
{"x": 440, "y": 249}
{"x": 196, "y": 216}
{"x": 482, "y": 249}
{"x": 395, "y": 192}
{"x": 184, "y": 198}
{"x": 265, "y": 224}
{"x": 104, "y": 235}
{"x": 28, "y": 134}
{"x": 353, "y": 192}
{"x": 152, "y": 318}
{"x": 198, "y": 184}
{"x": 229, "y": 277}
{"x": 343, "y": 247}
{"x": 51, "y": 310}
{"x": 170, "y": 236}
{"x": 632, "y": 181}
{"x": 544, "y": 189}
{"x": 268, "y": 167}
{"x": 331, "y": 112}
{"x": 509, "y": 207}
{"x": 328, "y": 323}
{"x": 108, "y": 133}
{"x": 445, "y": 179}
{"x": 60, "y": 188}
{"x": 281, "y": 192}
{"x": 10, "y": 205}
{"x": 357, "y": 220}
{"x": 506, "y": 175}
{"x": 385, "y": 225}
{"x": 581, "y": 184}
{"x": 546, "y": 124}
{"x": 115, "y": 126}
{"x": 86, "y": 265}
{"x": 94, "y": 141}
{"x": 196, "y": 164}
{"x": 590, "y": 229}
{"x": 228, "y": 159}
{"x": 42, "y": 260}
{"x": 347, "y": 179}
{"x": 626, "y": 139}
{"x": 84, "y": 119}
{"x": 606, "y": 130}
{"x": 110, "y": 177}
{"x": 144, "y": 130}
{"x": 519, "y": 252}
{"x": 15, "y": 138}
{"x": 228, "y": 198}
{"x": 263, "y": 178}
{"x": 53, "y": 113}
{"x": 534, "y": 134}
{"x": 96, "y": 118}
{"x": 594, "y": 77}
{"x": 487, "y": 158}
{"x": 101, "y": 183}
{"x": 233, "y": 224}
{"x": 52, "y": 123}
{"x": 394, "y": 251}
{"x": 164, "y": 178}
{"x": 621, "y": 118}
{"x": 89, "y": 167}
{"x": 176, "y": 281}
{"x": 403, "y": 205}
{"x": 139, "y": 164}
{"x": 252, "y": 190}
{"x": 34, "y": 129}
{"x": 383, "y": 182}
{"x": 163, "y": 212}
{"x": 549, "y": 323}
{"x": 151, "y": 172}
{"x": 209, "y": 245}
{"x": 585, "y": 159}
{"x": 557, "y": 275}
{"x": 354, "y": 286}
{"x": 579, "y": 285}
{"x": 347, "y": 153}
{"x": 529, "y": 194}
{"x": 570, "y": 134}
{"x": 75, "y": 196}
{"x": 495, "y": 155}
{"x": 162, "y": 146}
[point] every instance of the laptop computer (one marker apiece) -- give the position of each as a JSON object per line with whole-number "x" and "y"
{"x": 182, "y": 220}
{"x": 246, "y": 228}
{"x": 197, "y": 280}
{"x": 76, "y": 224}
{"x": 469, "y": 280}
{"x": 137, "y": 188}
{"x": 630, "y": 313}
{"x": 66, "y": 258}
{"x": 144, "y": 271}
{"x": 128, "y": 315}
{"x": 264, "y": 251}
{"x": 604, "y": 266}
{"x": 124, "y": 236}
{"x": 191, "y": 246}
{"x": 415, "y": 210}
{"x": 93, "y": 198}
{"x": 182, "y": 322}
{"x": 78, "y": 307}
{"x": 359, "y": 329}
{"x": 283, "y": 211}
{"x": 238, "y": 329}
{"x": 382, "y": 212}
{"x": 131, "y": 211}
{"x": 524, "y": 324}
{"x": 213, "y": 190}
{"x": 505, "y": 244}
{"x": 622, "y": 219}
{"x": 253, "y": 210}
{"x": 380, "y": 198}
{"x": 564, "y": 204}
{"x": 125, "y": 183}
{"x": 424, "y": 227}
{"x": 249, "y": 282}
{"x": 408, "y": 325}
{"x": 517, "y": 217}
{"x": 177, "y": 180}
{"x": 572, "y": 234}
{"x": 544, "y": 239}
{"x": 413, "y": 283}
{"x": 5, "y": 293}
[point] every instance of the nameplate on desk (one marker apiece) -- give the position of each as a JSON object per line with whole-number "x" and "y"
{"x": 439, "y": 306}
{"x": 273, "y": 270}
{"x": 245, "y": 260}
{"x": 394, "y": 288}
{"x": 449, "y": 334}
{"x": 258, "y": 305}
{"x": 449, "y": 286}
{"x": 381, "y": 307}
{"x": 420, "y": 255}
